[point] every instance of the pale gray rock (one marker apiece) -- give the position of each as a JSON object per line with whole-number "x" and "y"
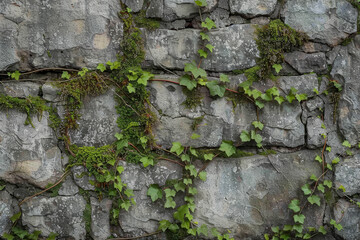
{"x": 305, "y": 84}
{"x": 82, "y": 178}
{"x": 220, "y": 17}
{"x": 326, "y": 21}
{"x": 306, "y": 63}
{"x": 172, "y": 49}
{"x": 252, "y": 8}
{"x": 346, "y": 70}
{"x": 68, "y": 188}
{"x": 331, "y": 55}
{"x": 20, "y": 89}
{"x": 6, "y": 210}
{"x": 100, "y": 224}
{"x": 176, "y": 9}
{"x": 134, "y": 5}
{"x": 260, "y": 20}
{"x": 313, "y": 107}
{"x": 349, "y": 217}
{"x": 97, "y": 125}
{"x": 312, "y": 47}
{"x": 144, "y": 216}
{"x": 155, "y": 9}
{"x": 28, "y": 154}
{"x": 314, "y": 129}
{"x": 8, "y": 32}
{"x": 62, "y": 215}
{"x": 347, "y": 173}
{"x": 248, "y": 195}
{"x": 51, "y": 93}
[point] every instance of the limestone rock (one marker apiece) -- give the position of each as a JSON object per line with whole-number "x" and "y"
{"x": 348, "y": 174}
{"x": 134, "y": 5}
{"x": 81, "y": 178}
{"x": 314, "y": 132}
{"x": 248, "y": 195}
{"x": 252, "y": 8}
{"x": 172, "y": 49}
{"x": 61, "y": 215}
{"x": 8, "y": 32}
{"x": 68, "y": 188}
{"x": 326, "y": 21}
{"x": 97, "y": 125}
{"x": 346, "y": 70}
{"x": 155, "y": 9}
{"x": 349, "y": 215}
{"x": 305, "y": 84}
{"x": 6, "y": 210}
{"x": 100, "y": 212}
{"x": 176, "y": 9}
{"x": 305, "y": 63}
{"x": 20, "y": 89}
{"x": 28, "y": 153}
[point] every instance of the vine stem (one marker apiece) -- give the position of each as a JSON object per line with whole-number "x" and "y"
{"x": 129, "y": 238}
{"x": 173, "y": 161}
{"x": 46, "y": 69}
{"x": 322, "y": 156}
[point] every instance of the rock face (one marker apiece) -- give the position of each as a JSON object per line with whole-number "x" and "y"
{"x": 347, "y": 174}
{"x": 349, "y": 216}
{"x": 62, "y": 215}
{"x": 100, "y": 225}
{"x": 249, "y": 194}
{"x": 326, "y": 21}
{"x": 6, "y": 210}
{"x": 255, "y": 8}
{"x": 306, "y": 63}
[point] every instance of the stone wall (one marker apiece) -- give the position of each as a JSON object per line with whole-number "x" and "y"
{"x": 245, "y": 195}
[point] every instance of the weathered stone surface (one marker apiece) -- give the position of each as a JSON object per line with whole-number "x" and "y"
{"x": 252, "y": 8}
{"x": 346, "y": 70}
{"x": 248, "y": 195}
{"x": 28, "y": 153}
{"x": 68, "y": 188}
{"x": 20, "y": 89}
{"x": 314, "y": 132}
{"x": 81, "y": 178}
{"x": 155, "y": 9}
{"x": 312, "y": 47}
{"x": 305, "y": 63}
{"x": 175, "y": 9}
{"x": 282, "y": 124}
{"x": 100, "y": 212}
{"x": 144, "y": 216}
{"x": 61, "y": 215}
{"x": 304, "y": 84}
{"x": 172, "y": 49}
{"x": 220, "y": 17}
{"x": 348, "y": 174}
{"x": 51, "y": 93}
{"x": 312, "y": 108}
{"x": 326, "y": 21}
{"x": 97, "y": 125}
{"x": 134, "y": 5}
{"x": 6, "y": 210}
{"x": 67, "y": 33}
{"x": 349, "y": 215}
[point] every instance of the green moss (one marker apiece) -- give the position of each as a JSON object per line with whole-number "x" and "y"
{"x": 238, "y": 71}
{"x": 268, "y": 152}
{"x": 253, "y": 74}
{"x": 346, "y": 42}
{"x": 143, "y": 22}
{"x": 87, "y": 218}
{"x": 273, "y": 40}
{"x": 193, "y": 98}
{"x": 180, "y": 234}
{"x": 54, "y": 192}
{"x": 239, "y": 153}
{"x": 196, "y": 122}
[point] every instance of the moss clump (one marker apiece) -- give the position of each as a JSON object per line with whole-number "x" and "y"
{"x": 196, "y": 122}
{"x": 268, "y": 152}
{"x": 273, "y": 40}
{"x": 143, "y": 22}
{"x": 193, "y": 98}
{"x": 87, "y": 218}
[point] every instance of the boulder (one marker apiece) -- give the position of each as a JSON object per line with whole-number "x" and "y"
{"x": 252, "y": 8}
{"x": 100, "y": 224}
{"x": 307, "y": 62}
{"x": 348, "y": 215}
{"x": 347, "y": 174}
{"x": 7, "y": 211}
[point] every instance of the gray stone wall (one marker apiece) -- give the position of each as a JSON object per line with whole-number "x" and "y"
{"x": 245, "y": 195}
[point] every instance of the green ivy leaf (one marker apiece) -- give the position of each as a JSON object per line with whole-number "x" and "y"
{"x": 275, "y": 229}
{"x": 131, "y": 88}
{"x": 185, "y": 158}
{"x": 277, "y": 67}
{"x": 301, "y": 97}
{"x": 245, "y": 136}
{"x": 65, "y": 75}
{"x": 169, "y": 192}
{"x": 19, "y": 232}
{"x": 329, "y": 166}
{"x": 170, "y": 203}
{"x": 193, "y": 190}
{"x": 144, "y": 78}
{"x": 328, "y": 149}
{"x": 318, "y": 158}
{"x": 259, "y": 104}
{"x": 306, "y": 189}
{"x": 224, "y": 78}
{"x": 177, "y": 148}
{"x": 258, "y": 125}
{"x": 307, "y": 236}
{"x": 201, "y": 3}
{"x": 215, "y": 88}
{"x": 322, "y": 230}
{"x": 193, "y": 152}
{"x": 180, "y": 186}
{"x": 187, "y": 181}
{"x": 342, "y": 188}
{"x": 279, "y": 99}
{"x": 211, "y": 47}
{"x": 15, "y": 217}
{"x": 204, "y": 36}
{"x": 314, "y": 199}
{"x": 52, "y": 236}
{"x": 336, "y": 160}
{"x": 202, "y": 53}
{"x": 101, "y": 67}
{"x": 290, "y": 98}
{"x": 194, "y": 70}
{"x": 83, "y": 72}
{"x": 346, "y": 144}
{"x": 188, "y": 82}
{"x": 294, "y": 205}
{"x": 336, "y": 225}
{"x": 191, "y": 169}
{"x": 258, "y": 138}
{"x": 228, "y": 148}
{"x": 192, "y": 231}
{"x": 195, "y": 136}
{"x": 256, "y": 94}
{"x": 129, "y": 192}
{"x": 299, "y": 218}
{"x": 164, "y": 225}
{"x": 266, "y": 97}
{"x": 154, "y": 192}
{"x": 287, "y": 228}
{"x": 321, "y": 188}
{"x": 209, "y": 156}
{"x": 126, "y": 205}
{"x": 146, "y": 161}
{"x": 203, "y": 230}
{"x": 181, "y": 212}
{"x": 328, "y": 183}
{"x": 298, "y": 228}
{"x": 202, "y": 175}
{"x": 208, "y": 24}
{"x": 313, "y": 177}
{"x": 2, "y": 187}
{"x": 215, "y": 232}
{"x": 173, "y": 227}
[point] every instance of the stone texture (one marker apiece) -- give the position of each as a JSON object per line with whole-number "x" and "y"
{"x": 155, "y": 9}
{"x": 248, "y": 195}
{"x": 97, "y": 125}
{"x": 314, "y": 132}
{"x": 67, "y": 33}
{"x": 172, "y": 49}
{"x": 68, "y": 188}
{"x": 304, "y": 84}
{"x": 306, "y": 63}
{"x": 135, "y": 5}
{"x": 175, "y": 9}
{"x": 28, "y": 154}
{"x": 347, "y": 173}
{"x": 20, "y": 89}
{"x": 349, "y": 215}
{"x": 81, "y": 178}
{"x": 326, "y": 21}
{"x": 100, "y": 212}
{"x": 346, "y": 70}
{"x": 61, "y": 215}
{"x": 144, "y": 216}
{"x": 6, "y": 210}
{"x": 252, "y": 8}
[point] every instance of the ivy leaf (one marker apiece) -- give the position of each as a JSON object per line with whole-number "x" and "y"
{"x": 15, "y": 75}
{"x": 224, "y": 78}
{"x": 211, "y": 47}
{"x": 185, "y": 158}
{"x": 120, "y": 169}
{"x": 336, "y": 225}
{"x": 298, "y": 228}
{"x": 130, "y": 88}
{"x": 203, "y": 230}
{"x": 181, "y": 212}
{"x": 294, "y": 205}
{"x": 8, "y": 236}
{"x": 259, "y": 104}
{"x": 173, "y": 227}
{"x": 307, "y": 236}
{"x": 266, "y": 96}
{"x": 15, "y": 217}
{"x": 215, "y": 232}
{"x": 275, "y": 229}
{"x": 2, "y": 187}
{"x": 258, "y": 138}
{"x": 329, "y": 166}
{"x": 52, "y": 236}
{"x": 328, "y": 149}
{"x": 101, "y": 67}
{"x": 180, "y": 186}
{"x": 144, "y": 78}
{"x": 209, "y": 156}
{"x": 202, "y": 53}
{"x": 277, "y": 67}
{"x": 193, "y": 190}
{"x": 193, "y": 152}
{"x": 129, "y": 192}
{"x": 204, "y": 36}
{"x": 299, "y": 218}
{"x": 342, "y": 188}
{"x": 335, "y": 160}
{"x": 195, "y": 136}
{"x": 201, "y": 3}
{"x": 164, "y": 225}
{"x": 328, "y": 183}
{"x": 154, "y": 192}
{"x": 215, "y": 89}
{"x": 187, "y": 181}
{"x": 313, "y": 177}
{"x": 177, "y": 148}
{"x": 322, "y": 230}
{"x": 208, "y": 24}
{"x": 279, "y": 99}
{"x": 318, "y": 158}
{"x": 306, "y": 189}
{"x": 321, "y": 188}
{"x": 126, "y": 205}
{"x": 170, "y": 203}
{"x": 228, "y": 148}
{"x": 65, "y": 75}
{"x": 346, "y": 144}
{"x": 147, "y": 161}
{"x": 83, "y": 72}
{"x": 256, "y": 94}
{"x": 188, "y": 82}
{"x": 169, "y": 192}
{"x": 191, "y": 169}
{"x": 192, "y": 231}
{"x": 287, "y": 228}
{"x": 245, "y": 136}
{"x": 258, "y": 124}
{"x": 290, "y": 98}
{"x": 195, "y": 71}
{"x": 301, "y": 97}
{"x": 314, "y": 199}
{"x": 202, "y": 175}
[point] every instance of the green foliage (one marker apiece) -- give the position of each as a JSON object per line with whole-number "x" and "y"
{"x": 142, "y": 21}
{"x": 155, "y": 192}
{"x": 14, "y": 75}
{"x": 228, "y": 148}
